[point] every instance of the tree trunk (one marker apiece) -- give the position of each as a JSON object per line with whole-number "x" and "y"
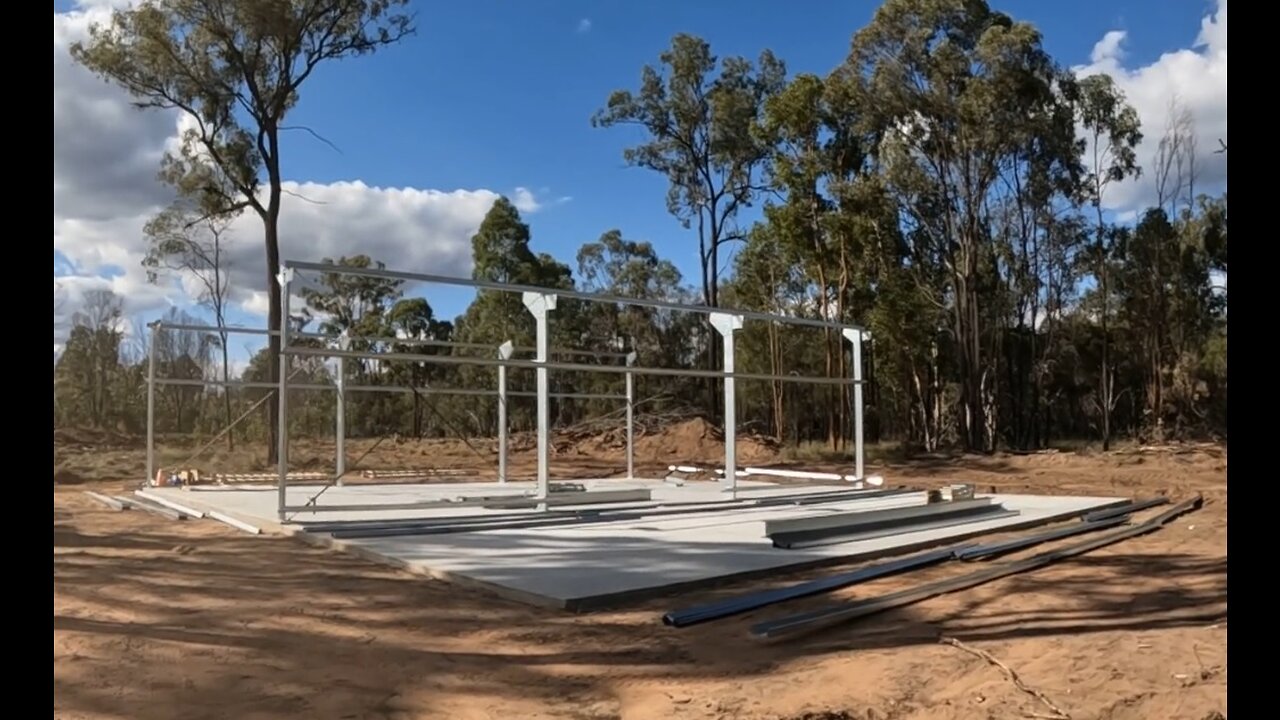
{"x": 274, "y": 319}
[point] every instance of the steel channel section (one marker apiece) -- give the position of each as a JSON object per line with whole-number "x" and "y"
{"x": 823, "y": 538}
{"x": 540, "y": 305}
{"x": 151, "y": 405}
{"x": 231, "y": 329}
{"x": 504, "y": 352}
{"x": 1004, "y": 547}
{"x": 571, "y": 367}
{"x": 824, "y": 618}
{"x": 727, "y": 324}
{"x": 534, "y": 521}
{"x": 576, "y": 295}
{"x": 854, "y": 336}
{"x": 674, "y": 508}
{"x": 855, "y": 520}
{"x": 282, "y": 430}
{"x": 1135, "y": 506}
{"x": 403, "y": 389}
{"x": 496, "y": 501}
{"x": 968, "y": 551}
{"x": 747, "y": 603}
{"x": 573, "y": 498}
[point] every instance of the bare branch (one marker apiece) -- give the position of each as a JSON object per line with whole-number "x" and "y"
{"x": 313, "y": 134}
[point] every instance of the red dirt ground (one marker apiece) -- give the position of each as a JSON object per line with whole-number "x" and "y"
{"x": 161, "y": 619}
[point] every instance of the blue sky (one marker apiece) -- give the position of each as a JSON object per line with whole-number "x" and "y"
{"x": 519, "y": 114}
{"x": 496, "y": 96}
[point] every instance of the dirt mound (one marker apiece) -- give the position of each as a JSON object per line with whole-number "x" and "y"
{"x": 696, "y": 440}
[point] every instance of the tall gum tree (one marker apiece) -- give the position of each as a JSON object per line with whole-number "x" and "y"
{"x": 945, "y": 85}
{"x": 234, "y": 68}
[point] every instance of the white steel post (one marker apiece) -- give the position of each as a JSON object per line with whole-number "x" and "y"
{"x": 282, "y": 428}
{"x": 726, "y": 324}
{"x": 340, "y": 411}
{"x": 854, "y": 336}
{"x": 504, "y": 353}
{"x": 541, "y": 305}
{"x": 151, "y": 403}
{"x": 631, "y": 418}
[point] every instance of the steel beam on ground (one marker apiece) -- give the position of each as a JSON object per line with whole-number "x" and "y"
{"x": 754, "y": 601}
{"x": 1004, "y": 547}
{"x": 994, "y": 512}
{"x": 867, "y": 519}
{"x": 584, "y": 516}
{"x": 589, "y": 497}
{"x": 1132, "y": 507}
{"x": 110, "y": 502}
{"x": 656, "y": 509}
{"x": 235, "y": 522}
{"x": 152, "y": 507}
{"x": 573, "y": 294}
{"x": 153, "y": 497}
{"x": 812, "y": 621}
{"x": 839, "y": 528}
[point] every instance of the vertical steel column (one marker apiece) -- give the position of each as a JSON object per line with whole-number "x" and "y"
{"x": 726, "y": 324}
{"x": 282, "y": 428}
{"x": 854, "y": 336}
{"x": 504, "y": 353}
{"x": 340, "y": 411}
{"x": 631, "y": 418}
{"x": 541, "y": 305}
{"x": 151, "y": 403}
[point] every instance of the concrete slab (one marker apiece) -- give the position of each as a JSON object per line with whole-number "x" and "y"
{"x": 581, "y": 567}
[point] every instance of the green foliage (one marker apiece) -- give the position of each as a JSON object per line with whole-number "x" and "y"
{"x": 699, "y": 128}
{"x": 943, "y": 188}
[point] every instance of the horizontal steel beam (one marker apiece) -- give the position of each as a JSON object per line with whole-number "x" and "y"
{"x": 572, "y": 367}
{"x": 575, "y": 294}
{"x": 404, "y": 389}
{"x": 235, "y": 330}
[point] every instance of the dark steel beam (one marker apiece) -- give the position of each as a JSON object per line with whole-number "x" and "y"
{"x": 805, "y": 623}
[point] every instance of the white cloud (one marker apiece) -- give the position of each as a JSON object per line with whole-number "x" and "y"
{"x": 525, "y": 201}
{"x": 584, "y": 25}
{"x": 1196, "y": 77}
{"x": 106, "y": 158}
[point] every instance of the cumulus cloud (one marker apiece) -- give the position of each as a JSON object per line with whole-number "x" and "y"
{"x": 106, "y": 158}
{"x": 1191, "y": 79}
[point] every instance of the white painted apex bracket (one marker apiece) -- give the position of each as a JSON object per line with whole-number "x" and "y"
{"x": 726, "y": 323}
{"x": 539, "y": 303}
